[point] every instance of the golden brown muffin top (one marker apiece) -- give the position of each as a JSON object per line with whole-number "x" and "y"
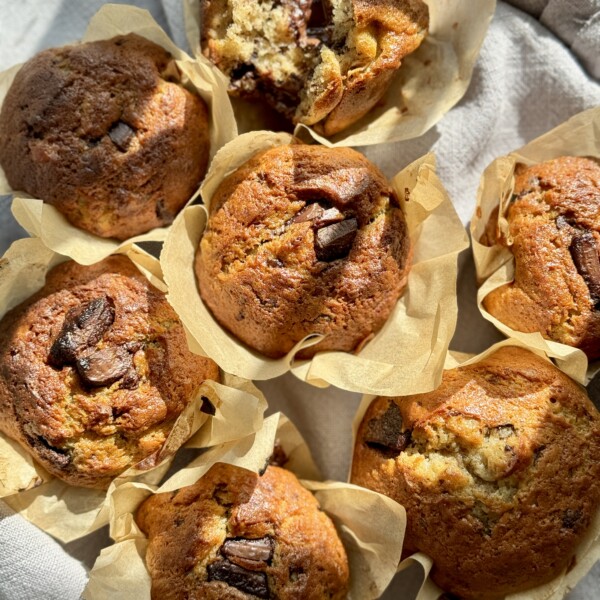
{"x": 235, "y": 535}
{"x": 554, "y": 223}
{"x": 94, "y": 371}
{"x": 106, "y": 133}
{"x": 497, "y": 470}
{"x": 303, "y": 239}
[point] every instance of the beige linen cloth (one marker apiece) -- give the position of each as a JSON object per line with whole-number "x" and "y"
{"x": 531, "y": 76}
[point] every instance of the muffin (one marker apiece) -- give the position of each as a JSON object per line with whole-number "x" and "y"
{"x": 235, "y": 535}
{"x": 554, "y": 226}
{"x": 94, "y": 371}
{"x": 497, "y": 469}
{"x": 322, "y": 64}
{"x": 105, "y": 133}
{"x": 303, "y": 240}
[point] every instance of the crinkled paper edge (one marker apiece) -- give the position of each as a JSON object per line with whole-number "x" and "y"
{"x": 588, "y": 552}
{"x": 68, "y": 512}
{"x": 44, "y": 221}
{"x": 406, "y": 356}
{"x": 370, "y": 525}
{"x": 429, "y": 83}
{"x": 579, "y": 136}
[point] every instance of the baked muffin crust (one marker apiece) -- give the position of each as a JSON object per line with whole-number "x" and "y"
{"x": 235, "y": 535}
{"x": 104, "y": 132}
{"x": 554, "y": 223}
{"x": 497, "y": 470}
{"x": 94, "y": 371}
{"x": 301, "y": 240}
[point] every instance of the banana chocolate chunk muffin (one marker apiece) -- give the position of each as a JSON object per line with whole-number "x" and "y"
{"x": 105, "y": 132}
{"x": 324, "y": 64}
{"x": 94, "y": 371}
{"x": 303, "y": 240}
{"x": 235, "y": 535}
{"x": 498, "y": 471}
{"x": 554, "y": 226}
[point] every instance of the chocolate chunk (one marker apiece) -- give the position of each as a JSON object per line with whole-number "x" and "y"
{"x": 319, "y": 27}
{"x": 334, "y": 241}
{"x": 105, "y": 366}
{"x": 258, "y": 550}
{"x": 385, "y": 433}
{"x": 208, "y": 407}
{"x": 584, "y": 252}
{"x": 57, "y": 456}
{"x": 309, "y": 213}
{"x": 83, "y": 327}
{"x": 329, "y": 216}
{"x": 250, "y": 582}
{"x": 130, "y": 379}
{"x": 121, "y": 135}
{"x": 571, "y": 518}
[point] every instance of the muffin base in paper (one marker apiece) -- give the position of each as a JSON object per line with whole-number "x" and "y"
{"x": 200, "y": 76}
{"x": 428, "y": 84}
{"x": 588, "y": 551}
{"x": 405, "y": 357}
{"x": 495, "y": 265}
{"x": 68, "y": 512}
{"x": 370, "y": 525}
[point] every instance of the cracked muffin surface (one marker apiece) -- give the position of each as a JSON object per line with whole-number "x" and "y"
{"x": 94, "y": 371}
{"x": 303, "y": 240}
{"x": 105, "y": 132}
{"x": 324, "y": 64}
{"x": 235, "y": 535}
{"x": 497, "y": 470}
{"x": 554, "y": 223}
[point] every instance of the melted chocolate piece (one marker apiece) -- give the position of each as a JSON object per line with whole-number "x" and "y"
{"x": 250, "y": 582}
{"x": 58, "y": 456}
{"x": 257, "y": 550}
{"x": 385, "y": 433}
{"x": 309, "y": 213}
{"x": 121, "y": 135}
{"x": 105, "y": 366}
{"x": 83, "y": 327}
{"x": 335, "y": 241}
{"x": 329, "y": 216}
{"x": 584, "y": 252}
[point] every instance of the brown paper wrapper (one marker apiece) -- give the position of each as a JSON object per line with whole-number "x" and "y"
{"x": 370, "y": 525}
{"x": 495, "y": 265}
{"x": 406, "y": 356}
{"x": 200, "y": 76}
{"x": 429, "y": 83}
{"x": 587, "y": 553}
{"x": 69, "y": 512}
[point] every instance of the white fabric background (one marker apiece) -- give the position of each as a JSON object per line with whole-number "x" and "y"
{"x": 529, "y": 78}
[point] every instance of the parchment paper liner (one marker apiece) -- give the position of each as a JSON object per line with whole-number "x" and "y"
{"x": 406, "y": 356}
{"x": 371, "y": 526}
{"x": 69, "y": 512}
{"x": 44, "y": 221}
{"x": 579, "y": 136}
{"x": 587, "y": 553}
{"x": 429, "y": 83}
